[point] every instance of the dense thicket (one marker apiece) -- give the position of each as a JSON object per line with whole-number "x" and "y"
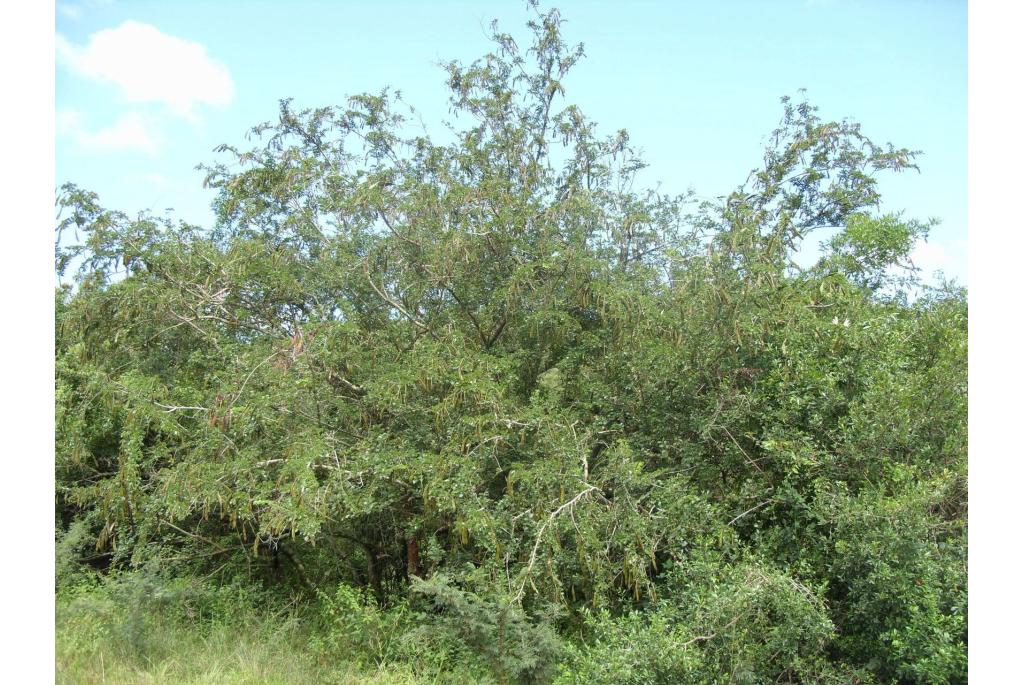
{"x": 485, "y": 397}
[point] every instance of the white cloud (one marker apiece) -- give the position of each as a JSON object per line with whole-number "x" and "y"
{"x": 148, "y": 65}
{"x": 157, "y": 179}
{"x": 75, "y": 10}
{"x": 949, "y": 258}
{"x": 929, "y": 256}
{"x": 68, "y": 120}
{"x": 69, "y": 11}
{"x": 129, "y": 132}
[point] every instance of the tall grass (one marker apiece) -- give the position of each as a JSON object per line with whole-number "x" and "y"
{"x": 132, "y": 631}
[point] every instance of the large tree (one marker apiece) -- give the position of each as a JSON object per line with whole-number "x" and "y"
{"x": 493, "y": 368}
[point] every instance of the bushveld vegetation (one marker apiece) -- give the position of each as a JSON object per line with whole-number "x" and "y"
{"x": 482, "y": 410}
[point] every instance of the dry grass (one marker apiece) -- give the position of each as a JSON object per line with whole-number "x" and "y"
{"x": 93, "y": 649}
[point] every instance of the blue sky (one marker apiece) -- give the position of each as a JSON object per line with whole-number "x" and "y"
{"x": 145, "y": 90}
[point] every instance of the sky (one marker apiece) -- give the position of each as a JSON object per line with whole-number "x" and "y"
{"x": 146, "y": 90}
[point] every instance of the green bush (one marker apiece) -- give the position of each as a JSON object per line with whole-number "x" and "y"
{"x": 718, "y": 623}
{"x": 493, "y": 632}
{"x": 356, "y": 629}
{"x": 479, "y": 409}
{"x": 898, "y": 577}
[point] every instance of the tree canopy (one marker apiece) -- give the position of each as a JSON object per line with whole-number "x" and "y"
{"x": 586, "y": 431}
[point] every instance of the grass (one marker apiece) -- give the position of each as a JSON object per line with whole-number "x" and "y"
{"x": 222, "y": 657}
{"x": 107, "y": 636}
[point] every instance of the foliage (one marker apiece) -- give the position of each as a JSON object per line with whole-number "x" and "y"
{"x": 745, "y": 623}
{"x": 359, "y": 631}
{"x": 440, "y": 388}
{"x": 513, "y": 646}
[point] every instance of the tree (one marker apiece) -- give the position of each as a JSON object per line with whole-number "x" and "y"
{"x": 494, "y": 361}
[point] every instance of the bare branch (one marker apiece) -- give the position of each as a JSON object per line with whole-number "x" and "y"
{"x": 168, "y": 408}
{"x": 751, "y": 510}
{"x": 540, "y": 536}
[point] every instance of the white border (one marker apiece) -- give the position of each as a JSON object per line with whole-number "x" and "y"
{"x": 995, "y": 268}
{"x": 26, "y": 401}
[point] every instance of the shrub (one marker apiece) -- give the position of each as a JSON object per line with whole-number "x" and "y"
{"x": 355, "y": 628}
{"x": 512, "y": 645}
